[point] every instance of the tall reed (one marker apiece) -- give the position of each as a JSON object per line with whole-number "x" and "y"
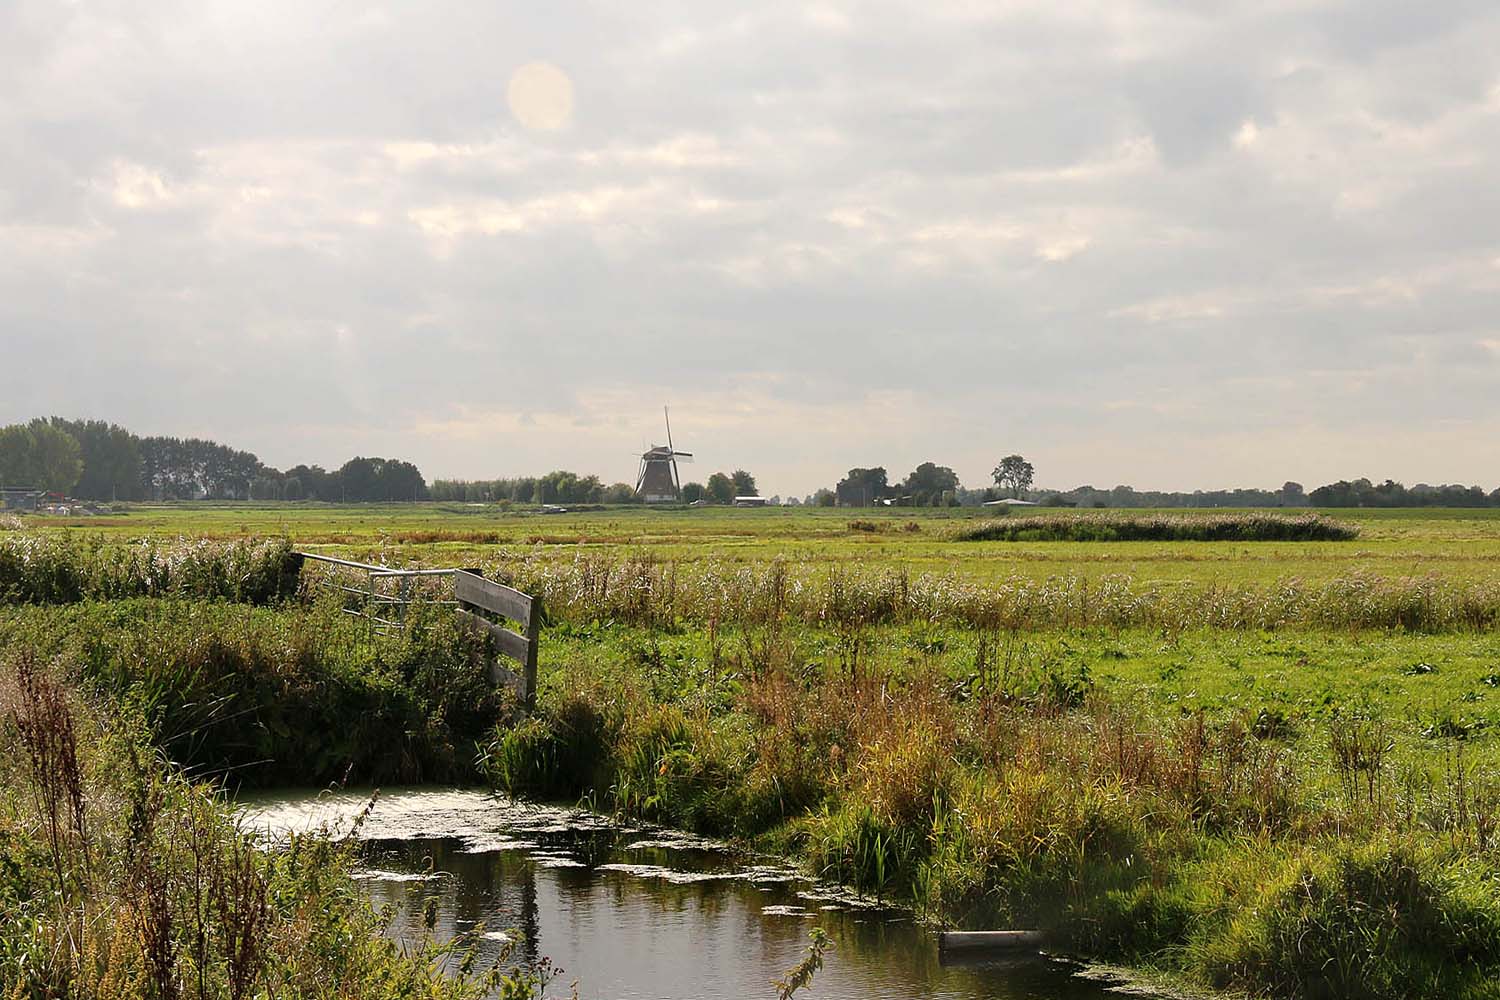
{"x": 640, "y": 590}
{"x": 59, "y": 568}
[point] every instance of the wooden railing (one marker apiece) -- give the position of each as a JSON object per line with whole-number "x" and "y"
{"x": 479, "y": 601}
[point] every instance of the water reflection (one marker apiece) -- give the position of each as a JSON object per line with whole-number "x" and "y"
{"x": 630, "y": 920}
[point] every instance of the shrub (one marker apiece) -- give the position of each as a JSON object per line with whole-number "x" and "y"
{"x": 1378, "y": 920}
{"x": 61, "y": 568}
{"x": 263, "y": 696}
{"x": 563, "y": 753}
{"x": 1159, "y": 528}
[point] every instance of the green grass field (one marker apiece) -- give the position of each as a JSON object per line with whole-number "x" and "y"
{"x": 1453, "y": 544}
{"x": 1267, "y": 767}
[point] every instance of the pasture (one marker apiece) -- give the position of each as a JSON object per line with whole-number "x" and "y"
{"x": 1247, "y": 765}
{"x": 1452, "y": 544}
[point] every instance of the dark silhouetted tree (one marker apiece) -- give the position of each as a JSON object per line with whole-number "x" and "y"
{"x": 1014, "y": 474}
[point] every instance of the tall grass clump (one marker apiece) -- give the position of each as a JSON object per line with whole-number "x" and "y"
{"x": 297, "y": 694}
{"x": 666, "y": 594}
{"x": 1385, "y": 918}
{"x": 1224, "y": 849}
{"x": 59, "y": 568}
{"x": 1250, "y": 527}
{"x": 122, "y": 880}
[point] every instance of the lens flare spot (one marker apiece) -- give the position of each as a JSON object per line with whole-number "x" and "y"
{"x": 540, "y": 96}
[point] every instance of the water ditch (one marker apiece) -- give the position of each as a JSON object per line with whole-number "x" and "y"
{"x": 630, "y": 912}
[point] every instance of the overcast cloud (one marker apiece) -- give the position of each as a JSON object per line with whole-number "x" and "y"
{"x": 1165, "y": 244}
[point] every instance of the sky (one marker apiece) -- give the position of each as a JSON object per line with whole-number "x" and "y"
{"x": 1166, "y": 244}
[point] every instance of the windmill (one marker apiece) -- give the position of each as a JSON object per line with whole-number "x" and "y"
{"x": 658, "y": 481}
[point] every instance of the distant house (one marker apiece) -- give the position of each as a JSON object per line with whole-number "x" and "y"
{"x": 751, "y": 502}
{"x": 21, "y": 498}
{"x": 1011, "y": 502}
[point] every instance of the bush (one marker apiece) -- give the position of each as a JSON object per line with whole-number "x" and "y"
{"x": 267, "y": 696}
{"x": 61, "y": 569}
{"x": 1377, "y": 920}
{"x": 1159, "y": 528}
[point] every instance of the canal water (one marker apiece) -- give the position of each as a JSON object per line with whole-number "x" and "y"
{"x": 629, "y": 912}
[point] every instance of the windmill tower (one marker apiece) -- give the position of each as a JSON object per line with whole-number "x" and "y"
{"x": 658, "y": 482}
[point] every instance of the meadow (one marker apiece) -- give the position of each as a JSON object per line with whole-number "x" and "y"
{"x": 1455, "y": 544}
{"x": 1267, "y": 767}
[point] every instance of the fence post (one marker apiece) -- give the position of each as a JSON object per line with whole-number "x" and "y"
{"x": 533, "y": 633}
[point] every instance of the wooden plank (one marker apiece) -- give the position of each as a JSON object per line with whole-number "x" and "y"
{"x": 501, "y": 674}
{"x": 989, "y": 940}
{"x": 493, "y": 597}
{"x": 517, "y": 647}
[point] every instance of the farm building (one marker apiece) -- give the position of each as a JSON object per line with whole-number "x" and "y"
{"x": 20, "y": 498}
{"x": 1011, "y": 502}
{"x": 751, "y": 502}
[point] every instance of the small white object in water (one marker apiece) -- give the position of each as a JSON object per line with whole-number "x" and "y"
{"x": 483, "y": 845}
{"x": 784, "y": 911}
{"x": 377, "y": 875}
{"x": 556, "y": 861}
{"x": 668, "y": 874}
{"x": 682, "y": 842}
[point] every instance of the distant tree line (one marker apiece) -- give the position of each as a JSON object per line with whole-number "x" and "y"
{"x": 928, "y": 485}
{"x": 931, "y": 484}
{"x": 563, "y": 487}
{"x": 1290, "y": 495}
{"x": 559, "y": 487}
{"x": 1359, "y": 493}
{"x": 97, "y": 460}
{"x": 1363, "y": 493}
{"x": 721, "y": 488}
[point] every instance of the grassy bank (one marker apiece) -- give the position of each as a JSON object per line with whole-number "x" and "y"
{"x": 1316, "y": 837}
{"x": 1214, "y": 765}
{"x": 298, "y": 694}
{"x": 61, "y": 568}
{"x": 122, "y": 880}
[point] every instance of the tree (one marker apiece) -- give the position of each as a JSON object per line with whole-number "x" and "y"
{"x": 313, "y": 483}
{"x": 862, "y": 487}
{"x": 357, "y": 480}
{"x": 41, "y": 455}
{"x": 16, "y": 467}
{"x": 692, "y": 492}
{"x": 720, "y": 488}
{"x": 1015, "y": 474}
{"x": 398, "y": 480}
{"x": 265, "y": 488}
{"x": 744, "y": 484}
{"x": 930, "y": 485}
{"x": 111, "y": 459}
{"x": 620, "y": 493}
{"x": 58, "y": 456}
{"x": 823, "y": 498}
{"x": 1292, "y": 494}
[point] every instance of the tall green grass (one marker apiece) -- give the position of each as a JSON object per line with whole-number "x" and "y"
{"x": 291, "y": 695}
{"x": 639, "y": 590}
{"x": 1232, "y": 852}
{"x": 60, "y": 568}
{"x": 1247, "y": 527}
{"x": 122, "y": 880}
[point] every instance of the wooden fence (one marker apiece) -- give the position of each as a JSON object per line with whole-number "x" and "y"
{"x": 387, "y": 593}
{"x": 476, "y": 596}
